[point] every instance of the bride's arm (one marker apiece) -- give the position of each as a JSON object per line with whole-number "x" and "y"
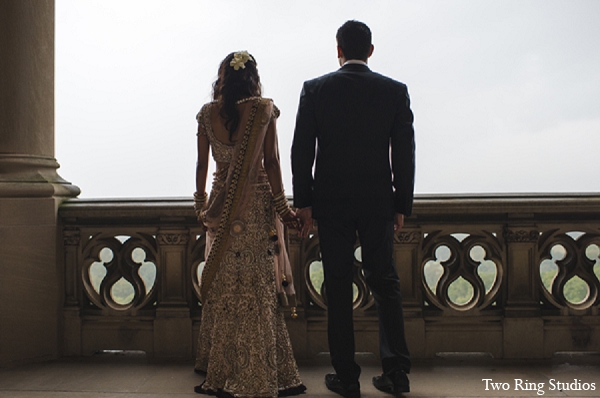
{"x": 202, "y": 163}
{"x": 273, "y": 169}
{"x": 271, "y": 159}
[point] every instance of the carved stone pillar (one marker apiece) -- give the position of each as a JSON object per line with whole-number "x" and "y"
{"x": 298, "y": 328}
{"x": 406, "y": 256}
{"x": 30, "y": 188}
{"x": 523, "y": 296}
{"x": 523, "y": 326}
{"x": 173, "y": 325}
{"x": 71, "y": 331}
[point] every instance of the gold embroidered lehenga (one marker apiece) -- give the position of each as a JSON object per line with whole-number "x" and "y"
{"x": 243, "y": 344}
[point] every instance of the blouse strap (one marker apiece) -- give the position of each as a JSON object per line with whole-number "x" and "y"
{"x": 275, "y": 114}
{"x": 202, "y": 118}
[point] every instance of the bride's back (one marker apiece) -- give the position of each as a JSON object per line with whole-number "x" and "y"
{"x": 218, "y": 123}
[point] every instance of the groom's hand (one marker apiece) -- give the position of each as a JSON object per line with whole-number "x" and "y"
{"x": 306, "y": 220}
{"x": 398, "y": 222}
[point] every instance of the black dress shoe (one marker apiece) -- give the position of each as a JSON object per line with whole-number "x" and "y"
{"x": 394, "y": 383}
{"x": 333, "y": 382}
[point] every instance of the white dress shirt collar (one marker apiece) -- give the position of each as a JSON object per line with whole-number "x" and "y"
{"x": 355, "y": 61}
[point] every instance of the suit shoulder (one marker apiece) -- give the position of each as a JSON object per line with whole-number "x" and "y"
{"x": 319, "y": 80}
{"x": 390, "y": 81}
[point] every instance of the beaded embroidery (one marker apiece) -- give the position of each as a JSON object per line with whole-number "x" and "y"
{"x": 243, "y": 342}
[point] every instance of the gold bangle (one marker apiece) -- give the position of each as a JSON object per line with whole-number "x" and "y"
{"x": 202, "y": 197}
{"x": 281, "y": 204}
{"x": 284, "y": 212}
{"x": 279, "y": 197}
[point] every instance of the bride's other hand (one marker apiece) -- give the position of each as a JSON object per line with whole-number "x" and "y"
{"x": 202, "y": 220}
{"x": 291, "y": 220}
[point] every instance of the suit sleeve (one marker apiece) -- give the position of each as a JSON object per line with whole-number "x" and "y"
{"x": 403, "y": 156}
{"x": 303, "y": 150}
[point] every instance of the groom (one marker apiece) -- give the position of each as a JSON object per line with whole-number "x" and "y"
{"x": 360, "y": 126}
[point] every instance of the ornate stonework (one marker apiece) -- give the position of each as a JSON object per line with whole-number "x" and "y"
{"x": 408, "y": 237}
{"x": 71, "y": 236}
{"x": 521, "y": 236}
{"x": 172, "y": 239}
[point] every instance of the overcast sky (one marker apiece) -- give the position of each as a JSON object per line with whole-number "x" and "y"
{"x": 506, "y": 93}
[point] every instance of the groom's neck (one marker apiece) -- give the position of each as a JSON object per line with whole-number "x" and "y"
{"x": 354, "y": 61}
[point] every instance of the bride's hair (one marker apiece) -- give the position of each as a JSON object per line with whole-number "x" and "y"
{"x": 233, "y": 85}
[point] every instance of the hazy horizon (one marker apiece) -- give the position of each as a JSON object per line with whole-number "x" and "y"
{"x": 505, "y": 93}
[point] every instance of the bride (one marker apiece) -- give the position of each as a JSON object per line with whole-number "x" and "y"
{"x": 243, "y": 345}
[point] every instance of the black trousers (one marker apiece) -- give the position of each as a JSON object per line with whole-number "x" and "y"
{"x": 337, "y": 237}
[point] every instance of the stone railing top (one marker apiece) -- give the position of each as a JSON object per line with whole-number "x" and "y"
{"x": 439, "y": 206}
{"x": 502, "y": 203}
{"x": 127, "y": 207}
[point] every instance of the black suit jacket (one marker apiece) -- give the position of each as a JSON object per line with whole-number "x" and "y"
{"x": 360, "y": 125}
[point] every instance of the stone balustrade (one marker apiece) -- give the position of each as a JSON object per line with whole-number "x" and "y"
{"x": 515, "y": 276}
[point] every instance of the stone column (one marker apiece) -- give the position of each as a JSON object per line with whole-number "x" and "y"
{"x": 173, "y": 325}
{"x": 30, "y": 188}
{"x": 406, "y": 255}
{"x": 71, "y": 327}
{"x": 523, "y": 325}
{"x": 298, "y": 327}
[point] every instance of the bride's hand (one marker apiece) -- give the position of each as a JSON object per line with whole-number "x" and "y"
{"x": 291, "y": 220}
{"x": 202, "y": 220}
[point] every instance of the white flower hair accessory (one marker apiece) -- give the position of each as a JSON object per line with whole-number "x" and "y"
{"x": 239, "y": 60}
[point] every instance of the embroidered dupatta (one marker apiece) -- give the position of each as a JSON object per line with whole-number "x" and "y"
{"x": 227, "y": 208}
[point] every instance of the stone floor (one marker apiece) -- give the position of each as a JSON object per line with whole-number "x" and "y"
{"x": 116, "y": 375}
